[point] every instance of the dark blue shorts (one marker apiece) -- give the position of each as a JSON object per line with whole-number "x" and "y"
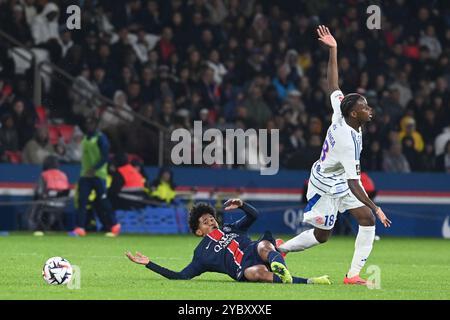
{"x": 251, "y": 257}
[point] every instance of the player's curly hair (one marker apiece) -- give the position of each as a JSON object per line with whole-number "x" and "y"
{"x": 349, "y": 102}
{"x": 197, "y": 211}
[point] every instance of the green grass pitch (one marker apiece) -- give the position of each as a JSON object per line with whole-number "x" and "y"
{"x": 410, "y": 269}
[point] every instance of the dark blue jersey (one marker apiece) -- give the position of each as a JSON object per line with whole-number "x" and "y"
{"x": 220, "y": 251}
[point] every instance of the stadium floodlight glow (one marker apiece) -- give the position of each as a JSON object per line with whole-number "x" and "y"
{"x": 251, "y": 148}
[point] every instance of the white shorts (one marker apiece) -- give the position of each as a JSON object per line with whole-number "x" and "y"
{"x": 322, "y": 210}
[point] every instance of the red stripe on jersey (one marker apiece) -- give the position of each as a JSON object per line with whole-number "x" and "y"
{"x": 233, "y": 247}
{"x": 215, "y": 235}
{"x": 236, "y": 252}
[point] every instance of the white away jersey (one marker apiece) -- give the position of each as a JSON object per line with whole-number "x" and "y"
{"x": 340, "y": 155}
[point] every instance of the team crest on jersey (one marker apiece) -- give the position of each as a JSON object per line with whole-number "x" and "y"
{"x": 319, "y": 220}
{"x": 358, "y": 169}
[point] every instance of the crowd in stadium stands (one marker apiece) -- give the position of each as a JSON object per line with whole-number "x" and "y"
{"x": 232, "y": 64}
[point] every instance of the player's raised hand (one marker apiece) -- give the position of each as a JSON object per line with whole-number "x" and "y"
{"x": 325, "y": 37}
{"x": 139, "y": 258}
{"x": 233, "y": 204}
{"x": 384, "y": 220}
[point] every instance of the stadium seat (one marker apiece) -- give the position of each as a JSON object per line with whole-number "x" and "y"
{"x": 14, "y": 156}
{"x": 53, "y": 134}
{"x": 66, "y": 131}
{"x": 42, "y": 115}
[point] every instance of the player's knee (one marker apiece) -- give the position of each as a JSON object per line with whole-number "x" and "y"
{"x": 253, "y": 275}
{"x": 367, "y": 221}
{"x": 259, "y": 276}
{"x": 321, "y": 236}
{"x": 264, "y": 247}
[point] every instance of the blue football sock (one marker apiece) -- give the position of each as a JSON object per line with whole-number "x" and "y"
{"x": 296, "y": 280}
{"x": 276, "y": 279}
{"x": 276, "y": 256}
{"x": 299, "y": 280}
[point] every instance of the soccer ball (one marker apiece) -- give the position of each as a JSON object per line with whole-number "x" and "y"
{"x": 57, "y": 270}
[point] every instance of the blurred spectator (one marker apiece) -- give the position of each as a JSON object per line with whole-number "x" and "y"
{"x": 292, "y": 61}
{"x": 282, "y": 83}
{"x": 38, "y": 148}
{"x": 259, "y": 30}
{"x": 441, "y": 141}
{"x": 208, "y": 88}
{"x": 412, "y": 156}
{"x": 429, "y": 125}
{"x": 83, "y": 94}
{"x": 217, "y": 11}
{"x": 45, "y": 29}
{"x": 167, "y": 113}
{"x": 24, "y": 120}
{"x": 115, "y": 119}
{"x": 9, "y": 139}
{"x": 118, "y": 114}
{"x": 163, "y": 187}
{"x": 17, "y": 25}
{"x": 53, "y": 187}
{"x": 443, "y": 161}
{"x": 297, "y": 139}
{"x": 218, "y": 68}
{"x": 151, "y": 17}
{"x": 293, "y": 107}
{"x": 257, "y": 107}
{"x": 29, "y": 10}
{"x": 165, "y": 45}
{"x": 127, "y": 186}
{"x": 372, "y": 160}
{"x": 428, "y": 158}
{"x": 139, "y": 166}
{"x": 404, "y": 89}
{"x": 311, "y": 153}
{"x": 60, "y": 152}
{"x": 429, "y": 39}
{"x": 44, "y": 25}
{"x": 394, "y": 160}
{"x": 74, "y": 146}
{"x": 408, "y": 129}
{"x": 66, "y": 42}
{"x": 104, "y": 85}
{"x": 391, "y": 104}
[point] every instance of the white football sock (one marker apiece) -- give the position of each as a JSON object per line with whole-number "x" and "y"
{"x": 363, "y": 247}
{"x": 300, "y": 242}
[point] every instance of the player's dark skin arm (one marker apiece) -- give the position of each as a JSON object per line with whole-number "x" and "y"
{"x": 332, "y": 70}
{"x": 359, "y": 193}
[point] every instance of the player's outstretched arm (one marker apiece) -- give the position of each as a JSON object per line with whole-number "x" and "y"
{"x": 359, "y": 193}
{"x": 191, "y": 271}
{"x": 139, "y": 258}
{"x": 332, "y": 72}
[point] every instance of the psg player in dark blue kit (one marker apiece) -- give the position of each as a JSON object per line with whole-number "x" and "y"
{"x": 229, "y": 250}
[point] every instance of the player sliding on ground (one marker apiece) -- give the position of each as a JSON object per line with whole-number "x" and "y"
{"x": 334, "y": 184}
{"x": 229, "y": 250}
